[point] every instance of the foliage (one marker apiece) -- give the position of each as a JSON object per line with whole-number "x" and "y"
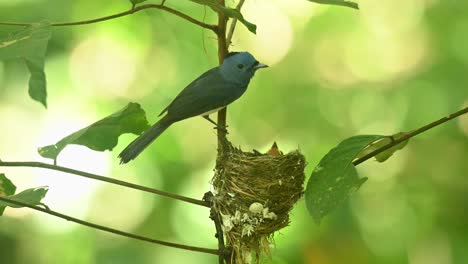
{"x": 103, "y": 134}
{"x": 7, "y": 188}
{"x": 337, "y": 2}
{"x": 30, "y": 44}
{"x": 31, "y": 196}
{"x": 335, "y": 177}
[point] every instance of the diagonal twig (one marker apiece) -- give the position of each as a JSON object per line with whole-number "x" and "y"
{"x": 125, "y": 13}
{"x": 410, "y": 135}
{"x": 111, "y": 230}
{"x": 102, "y": 178}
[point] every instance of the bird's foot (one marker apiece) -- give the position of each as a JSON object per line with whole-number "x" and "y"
{"x": 221, "y": 128}
{"x": 218, "y": 127}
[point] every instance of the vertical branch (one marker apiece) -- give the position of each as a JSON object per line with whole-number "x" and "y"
{"x": 222, "y": 24}
{"x": 222, "y": 52}
{"x": 225, "y": 254}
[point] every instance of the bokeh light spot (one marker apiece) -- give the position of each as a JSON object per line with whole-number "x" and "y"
{"x": 118, "y": 207}
{"x": 367, "y": 107}
{"x": 328, "y": 63}
{"x": 67, "y": 192}
{"x": 186, "y": 217}
{"x": 435, "y": 249}
{"x": 459, "y": 38}
{"x": 387, "y": 56}
{"x": 299, "y": 12}
{"x": 103, "y": 65}
{"x": 390, "y": 16}
{"x": 274, "y": 32}
{"x": 378, "y": 229}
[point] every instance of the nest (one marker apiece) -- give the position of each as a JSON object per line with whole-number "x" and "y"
{"x": 254, "y": 193}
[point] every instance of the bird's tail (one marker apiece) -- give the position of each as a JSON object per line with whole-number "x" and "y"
{"x": 140, "y": 143}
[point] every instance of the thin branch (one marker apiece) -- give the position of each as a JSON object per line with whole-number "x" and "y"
{"x": 410, "y": 135}
{"x": 104, "y": 179}
{"x": 224, "y": 253}
{"x": 111, "y": 230}
{"x": 233, "y": 24}
{"x": 125, "y": 13}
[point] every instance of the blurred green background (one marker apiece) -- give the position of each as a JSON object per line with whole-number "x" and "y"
{"x": 393, "y": 66}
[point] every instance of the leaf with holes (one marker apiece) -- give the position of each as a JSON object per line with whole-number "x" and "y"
{"x": 337, "y": 2}
{"x": 31, "y": 196}
{"x": 103, "y": 134}
{"x": 335, "y": 177}
{"x": 7, "y": 188}
{"x": 30, "y": 44}
{"x": 229, "y": 12}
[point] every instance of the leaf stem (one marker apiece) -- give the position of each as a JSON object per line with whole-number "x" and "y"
{"x": 410, "y": 135}
{"x": 102, "y": 178}
{"x": 111, "y": 230}
{"x": 125, "y": 13}
{"x": 233, "y": 24}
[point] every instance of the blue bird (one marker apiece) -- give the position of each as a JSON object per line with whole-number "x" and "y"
{"x": 210, "y": 92}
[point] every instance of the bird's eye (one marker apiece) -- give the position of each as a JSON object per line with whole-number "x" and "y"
{"x": 240, "y": 66}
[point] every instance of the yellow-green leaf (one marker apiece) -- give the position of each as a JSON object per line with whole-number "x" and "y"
{"x": 31, "y": 196}
{"x": 30, "y": 44}
{"x": 337, "y": 2}
{"x": 103, "y": 134}
{"x": 7, "y": 188}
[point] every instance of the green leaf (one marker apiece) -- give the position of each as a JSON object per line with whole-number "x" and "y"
{"x": 337, "y": 2}
{"x": 136, "y": 2}
{"x": 30, "y": 44}
{"x": 335, "y": 177}
{"x": 103, "y": 134}
{"x": 229, "y": 12}
{"x": 30, "y": 196}
{"x": 6, "y": 188}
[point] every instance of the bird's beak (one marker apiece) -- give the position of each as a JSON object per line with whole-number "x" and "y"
{"x": 260, "y": 65}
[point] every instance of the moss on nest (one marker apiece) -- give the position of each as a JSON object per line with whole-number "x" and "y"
{"x": 254, "y": 193}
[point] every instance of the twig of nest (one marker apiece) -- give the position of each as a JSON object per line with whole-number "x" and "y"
{"x": 254, "y": 193}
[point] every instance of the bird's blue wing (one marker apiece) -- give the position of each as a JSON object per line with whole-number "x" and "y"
{"x": 208, "y": 92}
{"x": 205, "y": 75}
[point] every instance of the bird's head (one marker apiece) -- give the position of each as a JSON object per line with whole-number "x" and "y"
{"x": 240, "y": 67}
